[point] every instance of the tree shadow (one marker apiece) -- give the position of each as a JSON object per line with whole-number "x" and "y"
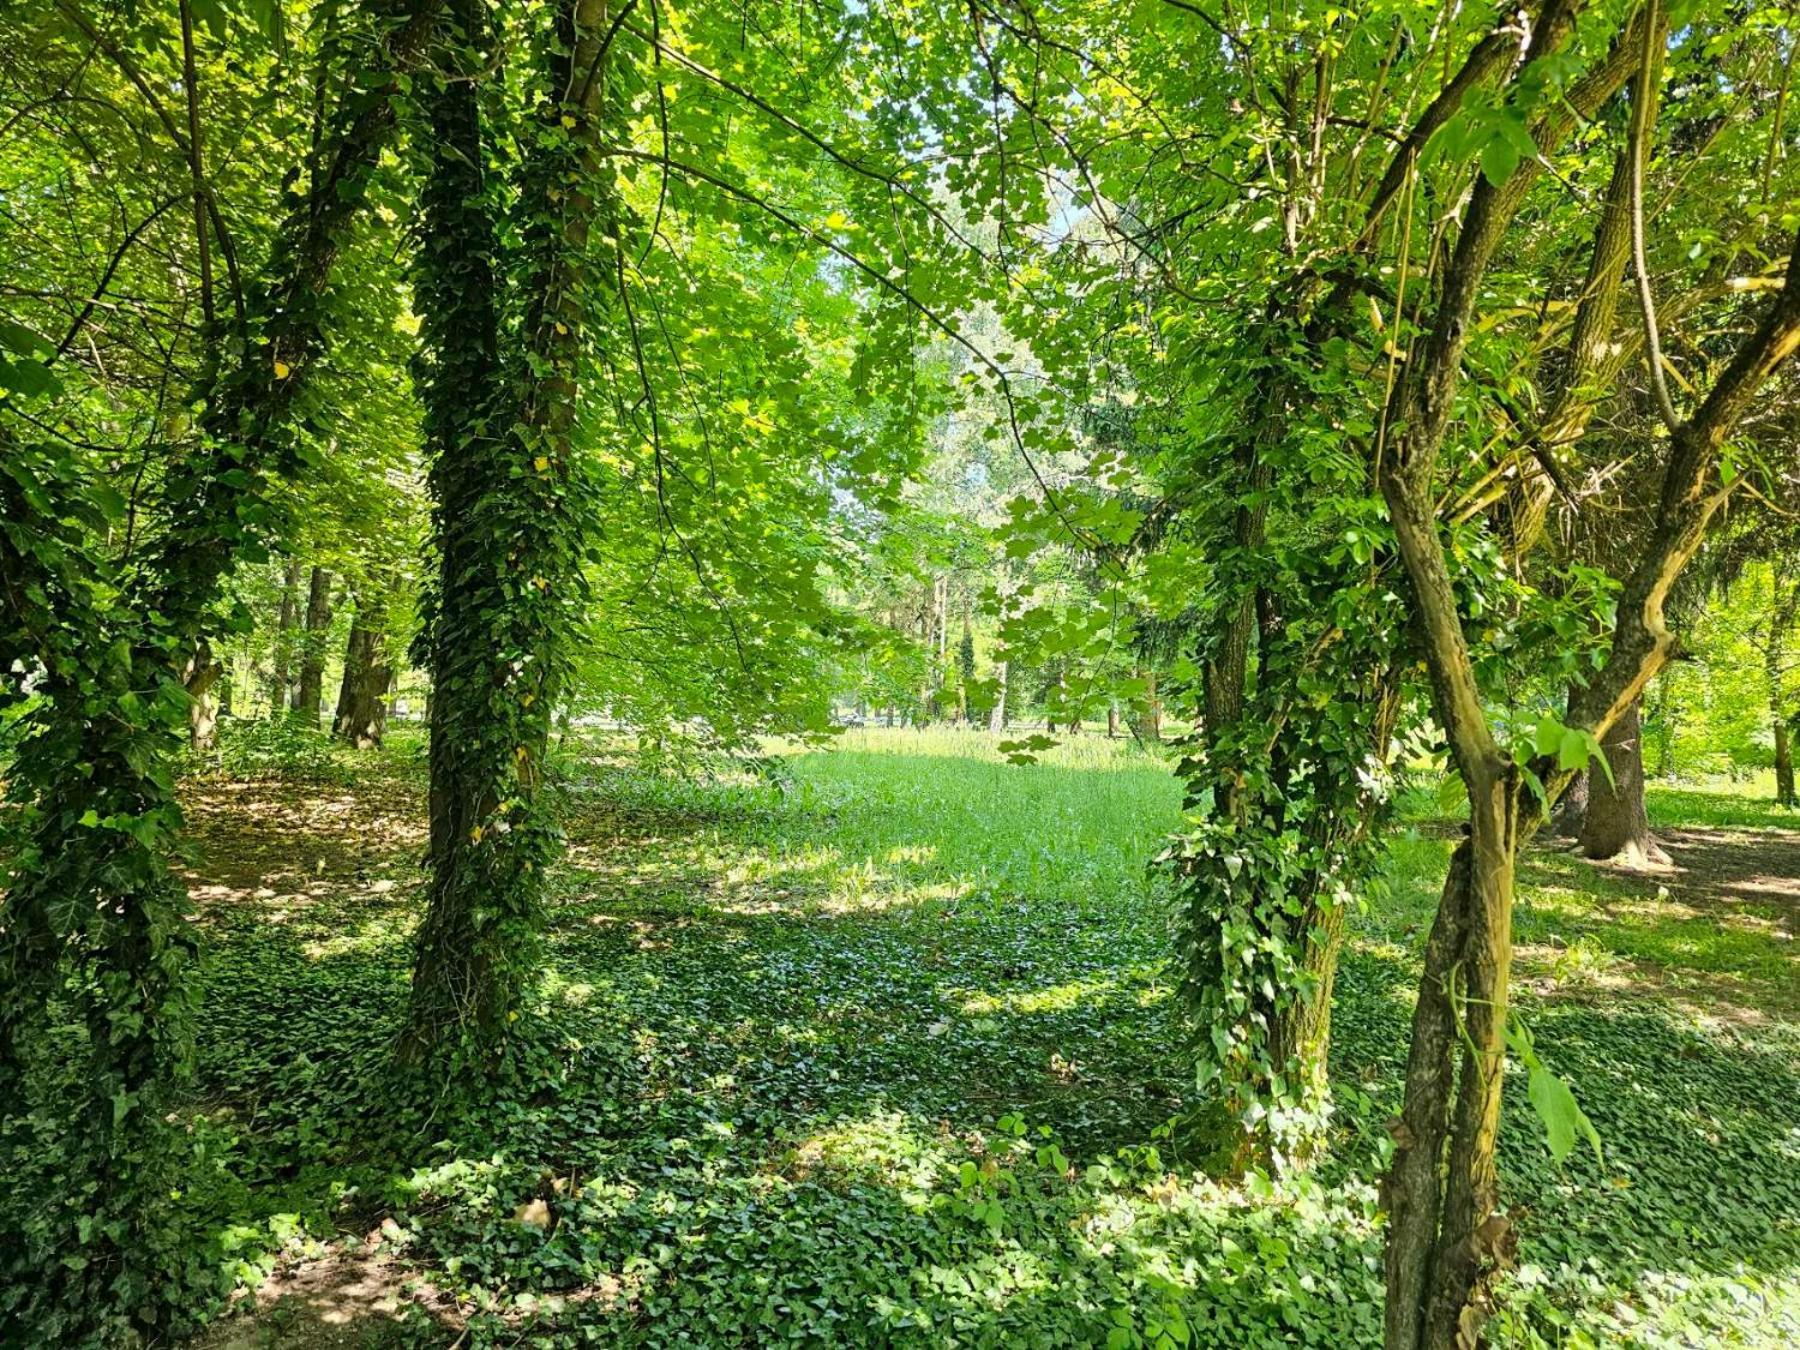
{"x": 740, "y": 1122}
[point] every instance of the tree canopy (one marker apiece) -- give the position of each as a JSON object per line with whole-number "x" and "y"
{"x": 1365, "y": 399}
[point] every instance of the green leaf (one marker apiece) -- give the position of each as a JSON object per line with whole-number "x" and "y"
{"x": 1499, "y": 158}
{"x": 28, "y": 377}
{"x": 25, "y": 341}
{"x": 1563, "y": 1119}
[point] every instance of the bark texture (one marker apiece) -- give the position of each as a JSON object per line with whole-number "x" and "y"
{"x": 311, "y": 687}
{"x": 202, "y": 678}
{"x": 1616, "y": 824}
{"x": 281, "y": 686}
{"x": 361, "y": 717}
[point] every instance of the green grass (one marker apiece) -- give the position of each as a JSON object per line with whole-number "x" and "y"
{"x": 874, "y": 1054}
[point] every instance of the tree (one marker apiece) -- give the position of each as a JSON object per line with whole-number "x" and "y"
{"x": 96, "y": 639}
{"x": 361, "y": 717}
{"x": 310, "y": 689}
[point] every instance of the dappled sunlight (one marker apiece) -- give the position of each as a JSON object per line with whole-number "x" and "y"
{"x": 1058, "y": 998}
{"x": 808, "y": 1018}
{"x": 884, "y": 1146}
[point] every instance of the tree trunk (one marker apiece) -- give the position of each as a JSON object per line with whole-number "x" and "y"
{"x": 1571, "y": 811}
{"x": 1784, "y": 761}
{"x": 202, "y": 679}
{"x": 1786, "y": 601}
{"x": 1149, "y": 722}
{"x": 311, "y": 688}
{"x": 502, "y": 435}
{"x": 1617, "y": 824}
{"x": 997, "y": 714}
{"x": 1446, "y": 1240}
{"x": 362, "y": 697}
{"x": 1112, "y": 720}
{"x": 281, "y": 687}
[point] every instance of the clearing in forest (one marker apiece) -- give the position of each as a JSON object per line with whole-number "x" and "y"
{"x": 876, "y": 1053}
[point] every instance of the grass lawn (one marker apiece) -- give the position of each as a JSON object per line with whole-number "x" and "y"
{"x": 874, "y": 1055}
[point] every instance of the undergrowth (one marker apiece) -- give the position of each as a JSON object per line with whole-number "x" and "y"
{"x": 875, "y": 1046}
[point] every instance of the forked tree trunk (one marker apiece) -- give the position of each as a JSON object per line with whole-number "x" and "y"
{"x": 1447, "y": 1241}
{"x": 1617, "y": 823}
{"x": 311, "y": 688}
{"x": 362, "y": 697}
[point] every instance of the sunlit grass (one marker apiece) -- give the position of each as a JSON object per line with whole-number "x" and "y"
{"x": 780, "y": 1015}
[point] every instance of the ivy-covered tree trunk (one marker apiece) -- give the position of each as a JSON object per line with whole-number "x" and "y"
{"x": 311, "y": 688}
{"x": 506, "y": 523}
{"x": 1616, "y": 824}
{"x": 92, "y": 909}
{"x": 361, "y": 717}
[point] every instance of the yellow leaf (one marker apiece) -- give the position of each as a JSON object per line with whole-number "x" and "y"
{"x": 475, "y": 835}
{"x": 540, "y": 463}
{"x": 568, "y": 122}
{"x": 562, "y": 330}
{"x": 282, "y": 370}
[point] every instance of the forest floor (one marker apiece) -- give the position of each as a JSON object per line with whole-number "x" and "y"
{"x": 876, "y": 1054}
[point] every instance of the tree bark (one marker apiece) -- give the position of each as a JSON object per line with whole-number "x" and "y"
{"x": 1784, "y": 761}
{"x": 310, "y": 690}
{"x": 505, "y": 478}
{"x": 1785, "y": 603}
{"x": 202, "y": 679}
{"x": 281, "y": 688}
{"x": 1149, "y": 721}
{"x": 1616, "y": 824}
{"x": 1571, "y": 810}
{"x": 361, "y": 717}
{"x": 997, "y": 714}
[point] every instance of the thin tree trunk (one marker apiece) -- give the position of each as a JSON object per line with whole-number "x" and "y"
{"x": 1786, "y": 602}
{"x": 311, "y": 688}
{"x": 282, "y": 687}
{"x": 997, "y": 714}
{"x": 1616, "y": 824}
{"x": 1784, "y": 761}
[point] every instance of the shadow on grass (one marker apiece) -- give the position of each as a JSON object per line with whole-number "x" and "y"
{"x": 740, "y": 1122}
